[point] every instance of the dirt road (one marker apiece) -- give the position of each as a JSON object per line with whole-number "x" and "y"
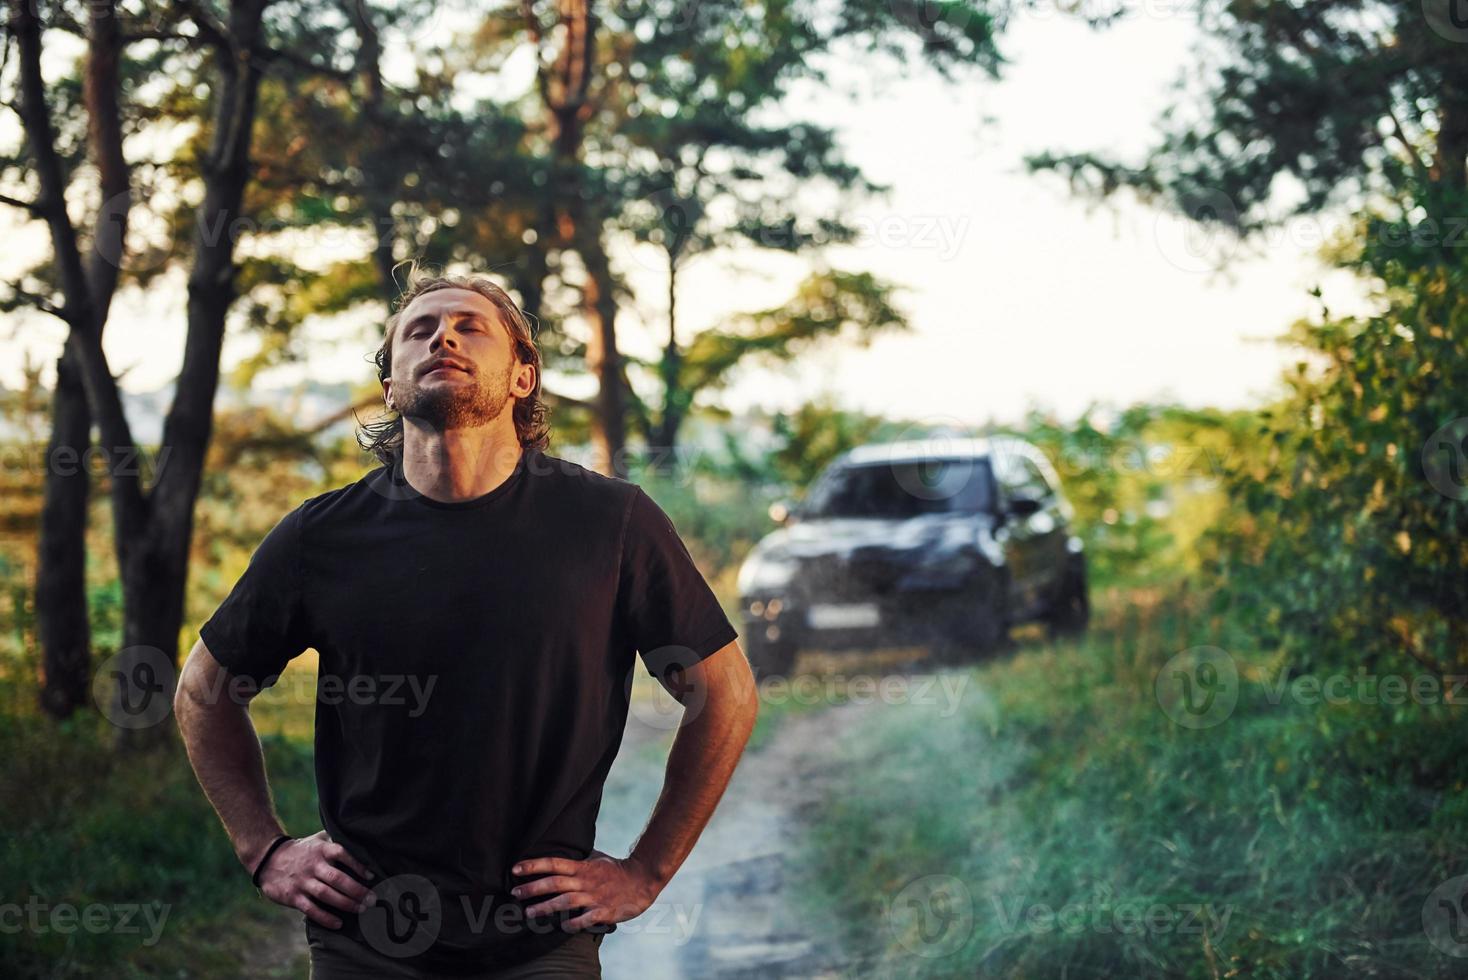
{"x": 729, "y": 911}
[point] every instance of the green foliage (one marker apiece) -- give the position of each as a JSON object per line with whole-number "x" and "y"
{"x": 813, "y": 436}
{"x": 1145, "y": 483}
{"x": 718, "y": 519}
{"x": 1345, "y": 543}
{"x": 1059, "y": 783}
{"x": 1353, "y": 543}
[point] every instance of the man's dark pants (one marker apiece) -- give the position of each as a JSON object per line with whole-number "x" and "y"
{"x": 338, "y": 957}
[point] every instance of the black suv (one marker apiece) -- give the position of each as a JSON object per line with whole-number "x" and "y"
{"x": 945, "y": 542}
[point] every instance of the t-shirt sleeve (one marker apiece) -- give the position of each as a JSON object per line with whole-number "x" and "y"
{"x": 261, "y": 625}
{"x": 671, "y": 614}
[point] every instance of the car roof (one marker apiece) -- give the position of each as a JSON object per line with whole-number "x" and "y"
{"x": 943, "y": 447}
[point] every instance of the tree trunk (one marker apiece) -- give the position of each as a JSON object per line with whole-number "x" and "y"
{"x": 381, "y": 182}
{"x": 664, "y": 444}
{"x": 530, "y": 275}
{"x": 61, "y": 599}
{"x": 565, "y": 87}
{"x": 603, "y": 358}
{"x": 62, "y": 624}
{"x": 1452, "y": 138}
{"x": 155, "y": 561}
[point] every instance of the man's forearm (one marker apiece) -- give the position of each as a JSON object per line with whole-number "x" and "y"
{"x": 224, "y": 750}
{"x": 704, "y": 754}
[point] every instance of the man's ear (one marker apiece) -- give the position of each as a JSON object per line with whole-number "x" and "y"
{"x": 387, "y": 393}
{"x": 529, "y": 379}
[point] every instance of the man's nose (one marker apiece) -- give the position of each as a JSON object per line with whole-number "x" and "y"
{"x": 443, "y": 337}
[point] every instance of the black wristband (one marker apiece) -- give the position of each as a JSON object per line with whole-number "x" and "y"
{"x": 255, "y": 878}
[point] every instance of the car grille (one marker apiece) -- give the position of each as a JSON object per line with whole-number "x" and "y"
{"x": 830, "y": 576}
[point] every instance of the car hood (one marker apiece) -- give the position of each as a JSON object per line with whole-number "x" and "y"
{"x": 847, "y": 537}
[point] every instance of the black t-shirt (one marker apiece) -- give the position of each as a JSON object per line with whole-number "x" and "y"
{"x": 476, "y": 661}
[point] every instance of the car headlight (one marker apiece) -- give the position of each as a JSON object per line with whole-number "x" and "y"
{"x": 764, "y": 573}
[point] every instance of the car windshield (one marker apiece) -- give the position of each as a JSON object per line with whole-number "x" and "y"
{"x": 907, "y": 489}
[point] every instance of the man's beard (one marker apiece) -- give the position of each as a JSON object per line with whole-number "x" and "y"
{"x": 456, "y": 406}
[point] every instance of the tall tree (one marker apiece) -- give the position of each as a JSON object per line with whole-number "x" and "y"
{"x": 604, "y": 70}
{"x": 87, "y": 283}
{"x": 153, "y": 524}
{"x": 698, "y": 174}
{"x": 1352, "y": 551}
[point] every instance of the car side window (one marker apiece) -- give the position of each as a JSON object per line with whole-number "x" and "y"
{"x": 1032, "y": 481}
{"x": 1005, "y": 475}
{"x": 1019, "y": 476}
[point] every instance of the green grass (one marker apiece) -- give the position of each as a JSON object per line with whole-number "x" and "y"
{"x": 1312, "y": 834}
{"x": 114, "y": 834}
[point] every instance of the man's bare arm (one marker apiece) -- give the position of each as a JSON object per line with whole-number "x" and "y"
{"x": 212, "y": 709}
{"x": 705, "y": 751}
{"x": 225, "y": 753}
{"x": 721, "y": 693}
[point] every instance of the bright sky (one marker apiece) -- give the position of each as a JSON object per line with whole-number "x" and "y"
{"x": 1018, "y": 294}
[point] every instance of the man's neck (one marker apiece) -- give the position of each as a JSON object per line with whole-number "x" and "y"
{"x": 458, "y": 464}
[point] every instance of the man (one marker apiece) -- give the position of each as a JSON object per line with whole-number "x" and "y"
{"x": 478, "y": 607}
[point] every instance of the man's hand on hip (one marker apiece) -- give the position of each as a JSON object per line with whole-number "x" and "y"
{"x": 608, "y": 889}
{"x": 300, "y": 875}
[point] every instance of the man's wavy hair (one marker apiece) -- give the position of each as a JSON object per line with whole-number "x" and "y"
{"x": 383, "y": 436}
